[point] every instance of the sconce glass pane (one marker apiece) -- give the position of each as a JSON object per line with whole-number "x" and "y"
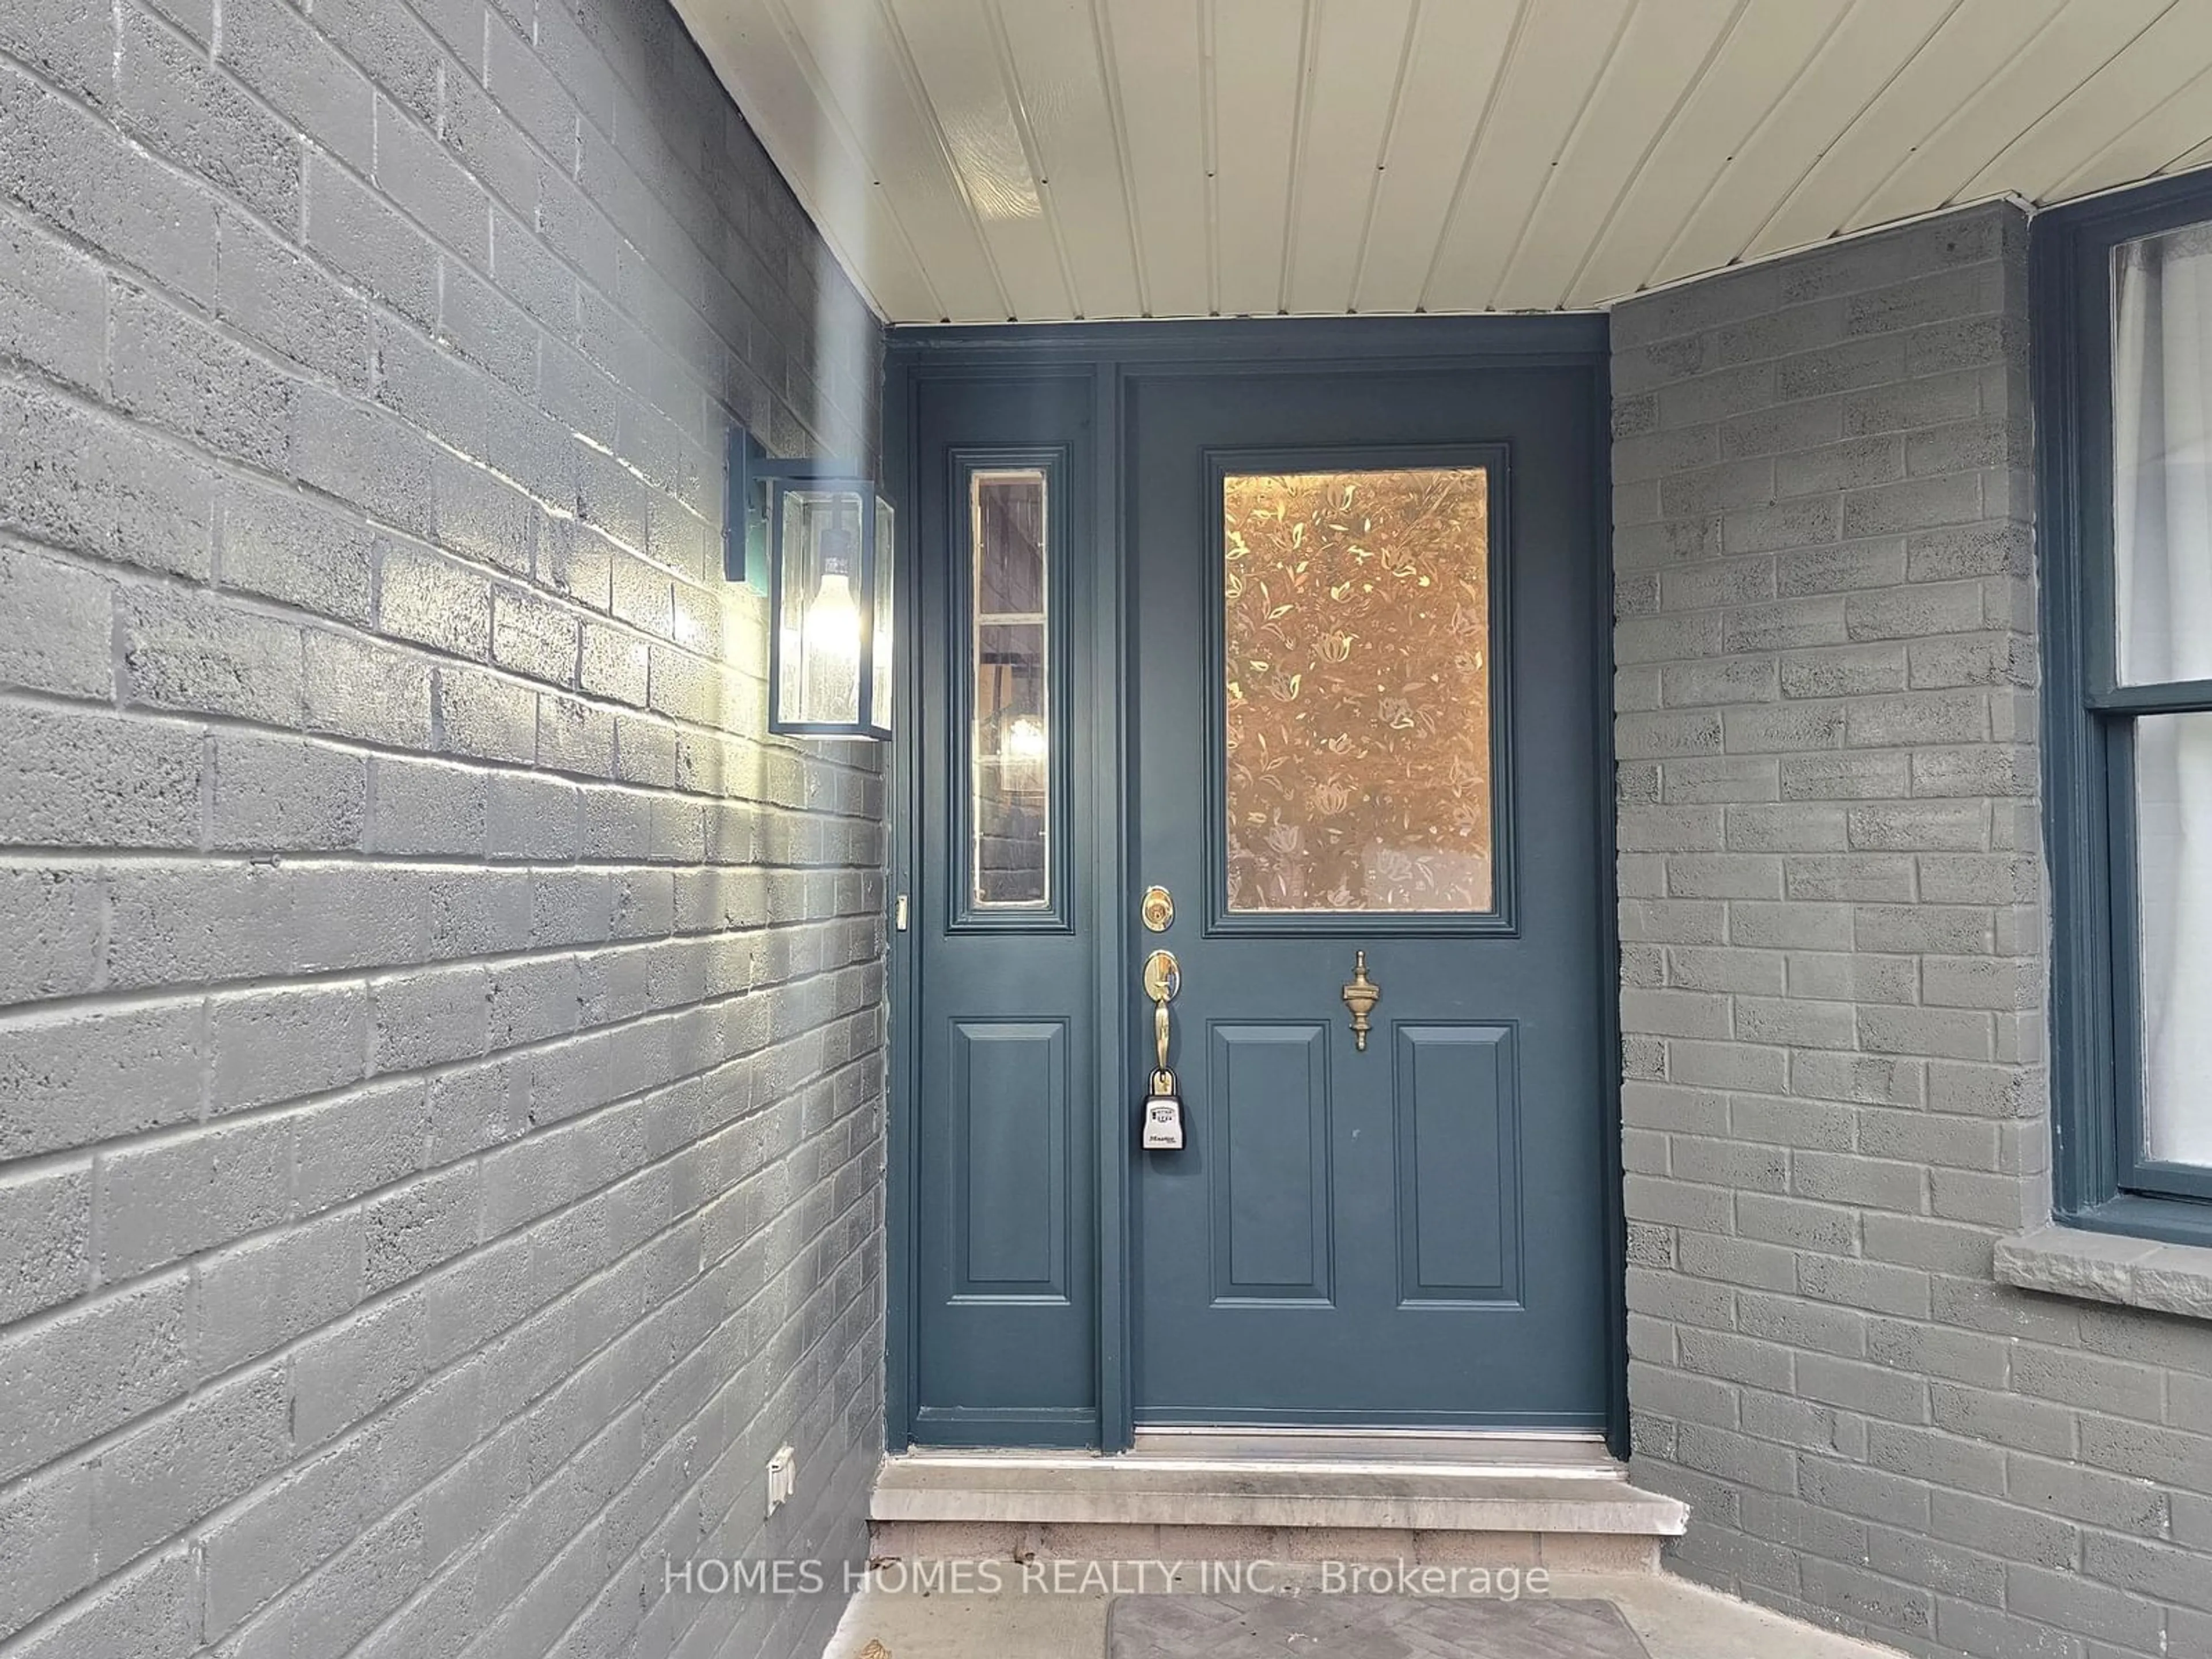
{"x": 820, "y": 663}
{"x": 1010, "y": 753}
{"x": 880, "y": 640}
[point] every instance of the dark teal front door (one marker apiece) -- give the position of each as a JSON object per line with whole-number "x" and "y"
{"x": 1317, "y": 649}
{"x": 1363, "y": 708}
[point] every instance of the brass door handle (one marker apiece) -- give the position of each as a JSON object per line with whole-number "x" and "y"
{"x": 1162, "y": 978}
{"x": 1163, "y": 1130}
{"x": 1360, "y": 994}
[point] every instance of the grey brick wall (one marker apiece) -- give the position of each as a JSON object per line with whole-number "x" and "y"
{"x": 441, "y": 1051}
{"x": 1834, "y": 947}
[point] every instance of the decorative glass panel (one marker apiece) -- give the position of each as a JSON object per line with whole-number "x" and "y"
{"x": 2162, "y": 456}
{"x": 1011, "y": 746}
{"x": 1356, "y": 666}
{"x": 2173, "y": 880}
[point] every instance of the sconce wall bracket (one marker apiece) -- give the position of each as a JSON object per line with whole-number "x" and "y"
{"x": 753, "y": 478}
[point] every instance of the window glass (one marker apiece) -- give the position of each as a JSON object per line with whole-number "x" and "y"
{"x": 2174, "y": 883}
{"x": 1010, "y": 750}
{"x": 1357, "y": 682}
{"x": 2162, "y": 457}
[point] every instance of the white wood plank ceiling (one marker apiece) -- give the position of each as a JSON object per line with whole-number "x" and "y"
{"x": 978, "y": 161}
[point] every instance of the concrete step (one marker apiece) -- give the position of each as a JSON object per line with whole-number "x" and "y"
{"x": 1359, "y": 1504}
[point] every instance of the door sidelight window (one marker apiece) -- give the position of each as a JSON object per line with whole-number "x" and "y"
{"x": 1011, "y": 759}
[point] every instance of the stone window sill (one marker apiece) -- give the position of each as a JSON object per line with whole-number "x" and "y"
{"x": 2134, "y": 1272}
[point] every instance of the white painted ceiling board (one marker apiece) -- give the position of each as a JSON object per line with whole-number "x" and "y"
{"x": 1548, "y": 87}
{"x": 1158, "y": 76}
{"x": 1663, "y": 53}
{"x": 2162, "y": 137}
{"x": 1756, "y": 160}
{"x": 2150, "y": 69}
{"x": 977, "y": 159}
{"x": 852, "y": 62}
{"x": 2073, "y": 46}
{"x": 1451, "y": 76}
{"x": 1032, "y": 155}
{"x": 1359, "y": 45}
{"x": 1258, "y": 73}
{"x": 967, "y": 90}
{"x": 1769, "y": 44}
{"x": 1870, "y": 43}
{"x": 1062, "y": 84}
{"x": 1968, "y": 46}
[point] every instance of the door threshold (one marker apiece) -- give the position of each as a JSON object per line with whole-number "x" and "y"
{"x": 1486, "y": 1455}
{"x": 1486, "y": 1451}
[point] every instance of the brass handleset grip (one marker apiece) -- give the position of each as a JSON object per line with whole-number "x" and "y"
{"x": 1162, "y": 978}
{"x": 1163, "y": 1130}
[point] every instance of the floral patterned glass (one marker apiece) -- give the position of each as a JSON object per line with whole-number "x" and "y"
{"x": 1357, "y": 610}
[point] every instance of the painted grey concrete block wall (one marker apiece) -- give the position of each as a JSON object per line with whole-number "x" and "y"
{"x": 441, "y": 1065}
{"x": 1834, "y": 945}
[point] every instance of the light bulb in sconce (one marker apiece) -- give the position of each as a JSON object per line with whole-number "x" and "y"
{"x": 830, "y": 635}
{"x": 833, "y": 621}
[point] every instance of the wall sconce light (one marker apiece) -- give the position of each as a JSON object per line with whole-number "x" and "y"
{"x": 814, "y": 538}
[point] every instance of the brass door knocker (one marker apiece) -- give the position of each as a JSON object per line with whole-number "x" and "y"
{"x": 1361, "y": 995}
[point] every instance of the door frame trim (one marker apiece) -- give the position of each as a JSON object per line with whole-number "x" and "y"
{"x": 1111, "y": 356}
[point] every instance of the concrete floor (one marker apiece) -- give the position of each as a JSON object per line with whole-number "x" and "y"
{"x": 1676, "y": 1619}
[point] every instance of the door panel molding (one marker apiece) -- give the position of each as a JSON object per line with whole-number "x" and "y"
{"x": 1458, "y": 1118}
{"x": 1267, "y": 1161}
{"x": 1008, "y": 1207}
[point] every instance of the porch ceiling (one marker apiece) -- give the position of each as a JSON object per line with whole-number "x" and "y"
{"x": 978, "y": 161}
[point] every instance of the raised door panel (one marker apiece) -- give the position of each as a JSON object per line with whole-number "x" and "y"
{"x": 1268, "y": 1085}
{"x": 1458, "y": 1132}
{"x": 1009, "y": 1204}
